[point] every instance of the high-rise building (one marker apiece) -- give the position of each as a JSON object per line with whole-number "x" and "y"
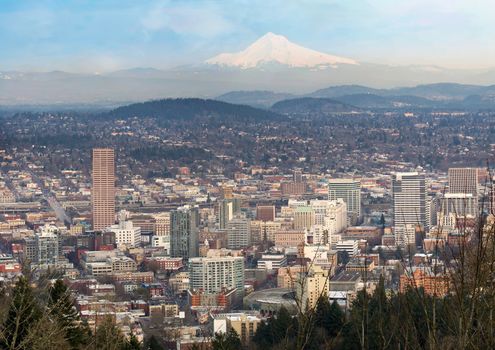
{"x": 227, "y": 208}
{"x": 43, "y": 248}
{"x": 330, "y": 213}
{"x": 289, "y": 238}
{"x": 349, "y": 190}
{"x": 265, "y": 212}
{"x": 463, "y": 180}
{"x": 212, "y": 275}
{"x": 432, "y": 207}
{"x": 162, "y": 224}
{"x": 304, "y": 217}
{"x": 238, "y": 233}
{"x": 409, "y": 194}
{"x": 311, "y": 285}
{"x": 351, "y": 246}
{"x": 262, "y": 231}
{"x": 491, "y": 200}
{"x": 293, "y": 188}
{"x": 460, "y": 204}
{"x": 454, "y": 207}
{"x": 103, "y": 191}
{"x": 297, "y": 176}
{"x": 184, "y": 232}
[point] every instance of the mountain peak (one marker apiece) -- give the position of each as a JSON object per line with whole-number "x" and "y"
{"x": 272, "y": 37}
{"x": 274, "y": 48}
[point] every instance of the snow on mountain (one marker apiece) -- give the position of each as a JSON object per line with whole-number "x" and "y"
{"x": 273, "y": 48}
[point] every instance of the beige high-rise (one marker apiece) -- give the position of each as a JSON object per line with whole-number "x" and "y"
{"x": 103, "y": 191}
{"x": 463, "y": 180}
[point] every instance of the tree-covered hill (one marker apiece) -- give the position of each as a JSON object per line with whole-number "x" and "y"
{"x": 190, "y": 108}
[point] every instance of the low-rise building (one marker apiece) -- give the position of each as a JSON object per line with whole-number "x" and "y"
{"x": 434, "y": 284}
{"x": 245, "y": 325}
{"x": 179, "y": 282}
{"x": 349, "y": 246}
{"x": 289, "y": 238}
{"x": 272, "y": 261}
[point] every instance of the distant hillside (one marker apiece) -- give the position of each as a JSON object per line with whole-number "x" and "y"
{"x": 444, "y": 91}
{"x": 189, "y": 108}
{"x": 479, "y": 102}
{"x": 434, "y": 92}
{"x": 256, "y": 98}
{"x": 375, "y": 101}
{"x": 310, "y": 105}
{"x": 343, "y": 90}
{"x": 441, "y": 95}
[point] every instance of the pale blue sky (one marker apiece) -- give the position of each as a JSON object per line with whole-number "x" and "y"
{"x": 98, "y": 36}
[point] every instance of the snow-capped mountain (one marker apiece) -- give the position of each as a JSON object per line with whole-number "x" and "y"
{"x": 273, "y": 48}
{"x": 271, "y": 63}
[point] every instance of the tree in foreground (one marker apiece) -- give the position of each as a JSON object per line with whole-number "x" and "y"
{"x": 153, "y": 344}
{"x": 108, "y": 336}
{"x": 132, "y": 344}
{"x": 47, "y": 335}
{"x": 329, "y": 317}
{"x": 278, "y": 331}
{"x": 23, "y": 314}
{"x": 61, "y": 305}
{"x": 226, "y": 341}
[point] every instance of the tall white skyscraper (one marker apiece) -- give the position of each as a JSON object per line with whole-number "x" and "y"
{"x": 409, "y": 195}
{"x": 350, "y": 191}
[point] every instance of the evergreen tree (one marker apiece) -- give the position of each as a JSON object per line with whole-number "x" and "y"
{"x": 382, "y": 221}
{"x": 153, "y": 344}
{"x": 379, "y": 331}
{"x": 280, "y": 330}
{"x": 226, "y": 341}
{"x": 132, "y": 344}
{"x": 23, "y": 314}
{"x": 61, "y": 305}
{"x": 263, "y": 336}
{"x": 321, "y": 313}
{"x": 108, "y": 336}
{"x": 335, "y": 320}
{"x": 47, "y": 334}
{"x": 282, "y": 326}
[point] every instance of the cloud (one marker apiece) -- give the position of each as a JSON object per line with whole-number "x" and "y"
{"x": 201, "y": 19}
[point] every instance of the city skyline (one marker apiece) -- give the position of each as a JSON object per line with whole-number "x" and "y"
{"x": 256, "y": 175}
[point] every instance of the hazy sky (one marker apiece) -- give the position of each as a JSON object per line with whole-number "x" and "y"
{"x": 99, "y": 35}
